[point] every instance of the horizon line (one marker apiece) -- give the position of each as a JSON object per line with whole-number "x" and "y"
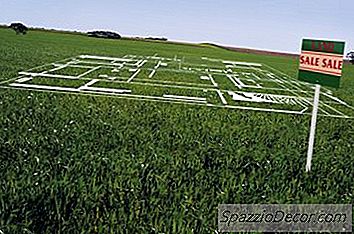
{"x": 290, "y": 53}
{"x": 169, "y": 39}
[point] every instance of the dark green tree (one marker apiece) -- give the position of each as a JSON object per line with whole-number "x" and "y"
{"x": 350, "y": 56}
{"x": 19, "y": 28}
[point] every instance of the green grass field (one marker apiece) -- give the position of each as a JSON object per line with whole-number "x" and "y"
{"x": 83, "y": 164}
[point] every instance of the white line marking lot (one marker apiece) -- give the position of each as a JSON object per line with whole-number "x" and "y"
{"x": 224, "y": 84}
{"x": 223, "y": 100}
{"x": 24, "y": 79}
{"x": 185, "y": 97}
{"x": 133, "y": 76}
{"x": 89, "y": 71}
{"x": 152, "y": 73}
{"x": 43, "y": 87}
{"x": 213, "y": 81}
{"x": 105, "y": 89}
{"x": 91, "y": 82}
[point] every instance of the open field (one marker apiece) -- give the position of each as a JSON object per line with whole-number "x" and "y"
{"x": 82, "y": 158}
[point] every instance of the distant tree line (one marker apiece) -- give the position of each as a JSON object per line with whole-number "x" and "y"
{"x": 20, "y": 28}
{"x": 350, "y": 56}
{"x": 156, "y": 38}
{"x": 104, "y": 34}
{"x": 114, "y": 35}
{"x": 150, "y": 38}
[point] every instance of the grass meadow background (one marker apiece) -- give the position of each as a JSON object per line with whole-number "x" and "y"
{"x": 82, "y": 164}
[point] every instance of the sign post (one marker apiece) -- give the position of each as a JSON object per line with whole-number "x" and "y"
{"x": 313, "y": 127}
{"x": 321, "y": 63}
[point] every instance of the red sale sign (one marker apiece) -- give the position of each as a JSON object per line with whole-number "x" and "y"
{"x": 330, "y": 64}
{"x": 321, "y": 62}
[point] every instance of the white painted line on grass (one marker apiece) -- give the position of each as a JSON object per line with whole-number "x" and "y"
{"x": 233, "y": 81}
{"x": 10, "y": 80}
{"x": 335, "y": 99}
{"x": 152, "y": 73}
{"x": 212, "y": 80}
{"x": 133, "y": 76}
{"x": 335, "y": 110}
{"x": 223, "y": 100}
{"x": 105, "y": 89}
{"x": 81, "y": 66}
{"x": 157, "y": 65}
{"x": 47, "y": 75}
{"x": 242, "y": 63}
{"x": 256, "y": 76}
{"x": 89, "y": 71}
{"x": 279, "y": 81}
{"x": 204, "y": 78}
{"x": 43, "y": 87}
{"x": 22, "y": 80}
{"x": 101, "y": 63}
{"x": 264, "y": 109}
{"x": 90, "y": 83}
{"x": 186, "y": 100}
{"x": 57, "y": 68}
{"x": 185, "y": 97}
{"x": 239, "y": 82}
{"x": 138, "y": 62}
{"x": 183, "y": 85}
{"x": 270, "y": 75}
{"x": 142, "y": 63}
{"x": 303, "y": 111}
{"x": 210, "y": 59}
{"x": 105, "y": 58}
{"x": 215, "y": 70}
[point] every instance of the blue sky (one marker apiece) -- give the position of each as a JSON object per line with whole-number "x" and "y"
{"x": 266, "y": 24}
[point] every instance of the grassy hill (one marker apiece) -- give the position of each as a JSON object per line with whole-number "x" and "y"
{"x": 82, "y": 164}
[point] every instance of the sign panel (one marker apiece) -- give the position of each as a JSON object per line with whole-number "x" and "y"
{"x": 321, "y": 62}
